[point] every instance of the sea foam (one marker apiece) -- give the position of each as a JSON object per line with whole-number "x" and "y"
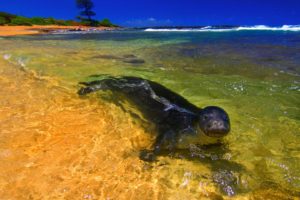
{"x": 216, "y": 29}
{"x": 7, "y": 56}
{"x": 268, "y": 28}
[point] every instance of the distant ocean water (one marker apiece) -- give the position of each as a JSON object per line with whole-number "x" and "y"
{"x": 225, "y": 29}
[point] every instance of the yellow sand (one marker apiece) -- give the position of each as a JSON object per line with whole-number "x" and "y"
{"x": 37, "y": 29}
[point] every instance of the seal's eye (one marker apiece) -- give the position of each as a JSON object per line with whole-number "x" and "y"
{"x": 205, "y": 117}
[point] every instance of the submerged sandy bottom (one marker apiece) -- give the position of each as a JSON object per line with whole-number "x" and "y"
{"x": 56, "y": 145}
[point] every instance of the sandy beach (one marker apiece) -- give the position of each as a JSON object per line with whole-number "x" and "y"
{"x": 37, "y": 29}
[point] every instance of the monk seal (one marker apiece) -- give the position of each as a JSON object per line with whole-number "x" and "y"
{"x": 175, "y": 117}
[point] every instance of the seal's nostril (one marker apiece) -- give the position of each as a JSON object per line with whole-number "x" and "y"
{"x": 220, "y": 124}
{"x": 216, "y": 124}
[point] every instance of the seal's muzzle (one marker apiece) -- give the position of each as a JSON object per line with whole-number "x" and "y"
{"x": 214, "y": 121}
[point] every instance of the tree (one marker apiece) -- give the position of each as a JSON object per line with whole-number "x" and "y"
{"x": 86, "y": 6}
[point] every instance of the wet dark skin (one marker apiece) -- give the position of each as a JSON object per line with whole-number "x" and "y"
{"x": 172, "y": 114}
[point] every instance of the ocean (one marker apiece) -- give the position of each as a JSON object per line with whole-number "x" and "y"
{"x": 55, "y": 144}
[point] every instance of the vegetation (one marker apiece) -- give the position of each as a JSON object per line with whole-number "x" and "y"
{"x": 86, "y": 14}
{"x": 2, "y": 21}
{"x": 5, "y": 18}
{"x": 21, "y": 21}
{"x": 107, "y": 23}
{"x": 10, "y": 19}
{"x": 86, "y": 6}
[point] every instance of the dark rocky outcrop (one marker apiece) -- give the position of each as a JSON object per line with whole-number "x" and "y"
{"x": 106, "y": 56}
{"x": 134, "y": 61}
{"x": 126, "y": 58}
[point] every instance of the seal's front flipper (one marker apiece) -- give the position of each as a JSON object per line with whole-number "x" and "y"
{"x": 164, "y": 139}
{"x": 93, "y": 86}
{"x": 90, "y": 83}
{"x": 148, "y": 155}
{"x": 85, "y": 90}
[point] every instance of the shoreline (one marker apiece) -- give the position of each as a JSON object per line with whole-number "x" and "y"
{"x": 43, "y": 29}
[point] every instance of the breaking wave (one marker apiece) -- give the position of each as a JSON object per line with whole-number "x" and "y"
{"x": 227, "y": 29}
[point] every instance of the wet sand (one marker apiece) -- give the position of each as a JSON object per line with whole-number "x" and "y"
{"x": 37, "y": 29}
{"x": 62, "y": 152}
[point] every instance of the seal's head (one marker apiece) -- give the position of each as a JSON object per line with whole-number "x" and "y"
{"x": 214, "y": 121}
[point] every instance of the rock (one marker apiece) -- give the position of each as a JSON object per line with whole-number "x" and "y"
{"x": 129, "y": 56}
{"x": 106, "y": 56}
{"x": 134, "y": 61}
{"x": 226, "y": 181}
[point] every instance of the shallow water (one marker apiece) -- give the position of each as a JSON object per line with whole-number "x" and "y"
{"x": 54, "y": 144}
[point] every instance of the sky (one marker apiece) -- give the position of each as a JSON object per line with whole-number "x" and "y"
{"x": 139, "y": 13}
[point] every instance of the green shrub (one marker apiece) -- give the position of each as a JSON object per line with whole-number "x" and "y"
{"x": 21, "y": 21}
{"x": 38, "y": 21}
{"x": 64, "y": 22}
{"x": 68, "y": 23}
{"x": 7, "y": 17}
{"x": 106, "y": 22}
{"x": 50, "y": 20}
{"x": 2, "y": 21}
{"x": 87, "y": 22}
{"x": 10, "y": 19}
{"x": 60, "y": 22}
{"x": 75, "y": 23}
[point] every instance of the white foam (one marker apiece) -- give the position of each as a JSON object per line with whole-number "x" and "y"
{"x": 7, "y": 56}
{"x": 268, "y": 28}
{"x": 187, "y": 30}
{"x": 21, "y": 62}
{"x": 241, "y": 28}
{"x": 167, "y": 30}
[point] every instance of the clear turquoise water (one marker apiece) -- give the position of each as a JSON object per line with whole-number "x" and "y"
{"x": 254, "y": 75}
